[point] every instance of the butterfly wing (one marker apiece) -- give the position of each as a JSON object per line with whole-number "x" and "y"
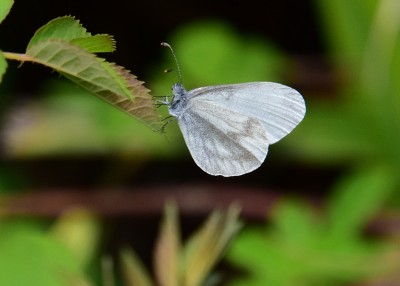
{"x": 278, "y": 108}
{"x": 223, "y": 141}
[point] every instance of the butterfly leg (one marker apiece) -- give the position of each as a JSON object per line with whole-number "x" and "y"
{"x": 167, "y": 120}
{"x": 162, "y": 102}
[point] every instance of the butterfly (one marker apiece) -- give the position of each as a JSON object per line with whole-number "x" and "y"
{"x": 228, "y": 128}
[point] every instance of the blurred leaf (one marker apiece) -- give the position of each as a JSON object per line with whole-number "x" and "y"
{"x": 63, "y": 28}
{"x": 79, "y": 230}
{"x": 295, "y": 251}
{"x": 296, "y": 223}
{"x": 5, "y": 7}
{"x": 332, "y": 134}
{"x": 133, "y": 271}
{"x": 67, "y": 120}
{"x": 365, "y": 125}
{"x": 394, "y": 74}
{"x": 200, "y": 253}
{"x": 168, "y": 249}
{"x": 363, "y": 35}
{"x": 357, "y": 198}
{"x": 356, "y": 132}
{"x": 347, "y": 25}
{"x": 3, "y": 66}
{"x": 107, "y": 270}
{"x": 31, "y": 257}
{"x": 209, "y": 52}
{"x": 71, "y": 280}
{"x": 206, "y": 247}
{"x": 380, "y": 48}
{"x": 262, "y": 262}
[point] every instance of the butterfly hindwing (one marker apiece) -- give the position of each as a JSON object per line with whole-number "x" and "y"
{"x": 221, "y": 140}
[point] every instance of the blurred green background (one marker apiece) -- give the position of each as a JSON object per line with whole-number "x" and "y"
{"x": 79, "y": 179}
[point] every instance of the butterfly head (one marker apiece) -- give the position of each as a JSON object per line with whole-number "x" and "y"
{"x": 178, "y": 90}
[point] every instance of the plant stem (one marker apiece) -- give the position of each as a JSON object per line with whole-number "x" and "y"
{"x": 17, "y": 57}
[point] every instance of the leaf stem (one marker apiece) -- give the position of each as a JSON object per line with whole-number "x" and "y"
{"x": 17, "y": 57}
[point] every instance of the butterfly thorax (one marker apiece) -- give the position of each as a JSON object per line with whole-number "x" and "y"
{"x": 178, "y": 103}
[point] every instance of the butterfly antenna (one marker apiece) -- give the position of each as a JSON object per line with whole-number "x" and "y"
{"x": 176, "y": 60}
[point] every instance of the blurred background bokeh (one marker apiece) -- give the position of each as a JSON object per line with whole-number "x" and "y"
{"x": 79, "y": 179}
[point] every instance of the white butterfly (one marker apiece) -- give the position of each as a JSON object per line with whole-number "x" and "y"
{"x": 228, "y": 128}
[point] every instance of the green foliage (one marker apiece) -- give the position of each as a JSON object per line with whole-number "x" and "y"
{"x": 67, "y": 120}
{"x": 364, "y": 124}
{"x": 133, "y": 270}
{"x": 301, "y": 248}
{"x": 5, "y": 7}
{"x": 205, "y": 247}
{"x": 80, "y": 231}
{"x": 347, "y": 26}
{"x": 191, "y": 264}
{"x": 70, "y": 30}
{"x": 168, "y": 248}
{"x": 3, "y": 65}
{"x": 357, "y": 198}
{"x": 65, "y": 46}
{"x": 29, "y": 256}
{"x": 210, "y": 52}
{"x": 360, "y": 128}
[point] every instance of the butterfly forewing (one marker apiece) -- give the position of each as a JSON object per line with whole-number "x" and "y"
{"x": 279, "y": 108}
{"x": 223, "y": 141}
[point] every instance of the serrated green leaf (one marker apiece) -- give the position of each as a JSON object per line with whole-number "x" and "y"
{"x": 206, "y": 247}
{"x": 96, "y": 43}
{"x": 3, "y": 66}
{"x": 5, "y": 7}
{"x": 70, "y": 30}
{"x": 133, "y": 271}
{"x": 64, "y": 28}
{"x": 167, "y": 253}
{"x": 142, "y": 106}
{"x": 108, "y": 81}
